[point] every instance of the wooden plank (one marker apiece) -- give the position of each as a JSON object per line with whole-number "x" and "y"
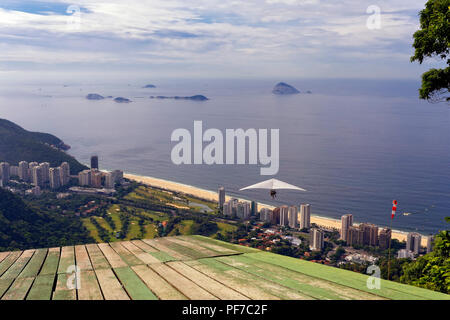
{"x": 4, "y": 285}
{"x": 51, "y": 262}
{"x": 18, "y": 265}
{"x": 19, "y": 289}
{"x": 182, "y": 250}
{"x": 8, "y": 261}
{"x": 3, "y": 255}
{"x": 207, "y": 283}
{"x": 126, "y": 255}
{"x": 211, "y": 246}
{"x": 98, "y": 260}
{"x": 90, "y": 289}
{"x": 166, "y": 249}
{"x": 315, "y": 287}
{"x": 42, "y": 287}
{"x": 82, "y": 258}
{"x": 67, "y": 259}
{"x": 134, "y": 286}
{"x": 194, "y": 246}
{"x": 144, "y": 246}
{"x": 182, "y": 284}
{"x": 33, "y": 267}
{"x": 62, "y": 291}
{"x": 139, "y": 253}
{"x": 162, "y": 289}
{"x": 113, "y": 258}
{"x": 111, "y": 287}
{"x": 227, "y": 276}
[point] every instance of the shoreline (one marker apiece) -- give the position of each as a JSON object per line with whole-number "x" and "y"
{"x": 328, "y": 223}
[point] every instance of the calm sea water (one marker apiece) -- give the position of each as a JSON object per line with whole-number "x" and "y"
{"x": 354, "y": 145}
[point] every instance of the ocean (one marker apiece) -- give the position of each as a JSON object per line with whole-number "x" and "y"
{"x": 354, "y": 145}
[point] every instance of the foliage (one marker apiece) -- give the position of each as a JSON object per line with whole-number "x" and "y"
{"x": 17, "y": 144}
{"x": 431, "y": 271}
{"x": 432, "y": 40}
{"x": 23, "y": 228}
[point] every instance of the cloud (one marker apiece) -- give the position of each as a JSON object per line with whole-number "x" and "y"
{"x": 250, "y": 34}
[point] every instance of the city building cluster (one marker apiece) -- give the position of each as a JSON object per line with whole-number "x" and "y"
{"x": 366, "y": 234}
{"x": 293, "y": 217}
{"x": 39, "y": 174}
{"x": 95, "y": 178}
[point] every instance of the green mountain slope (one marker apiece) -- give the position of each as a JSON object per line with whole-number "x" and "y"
{"x": 18, "y": 144}
{"x": 23, "y": 228}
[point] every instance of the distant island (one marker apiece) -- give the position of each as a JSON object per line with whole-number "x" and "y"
{"x": 198, "y": 97}
{"x": 149, "y": 86}
{"x": 94, "y": 96}
{"x": 122, "y": 100}
{"x": 284, "y": 89}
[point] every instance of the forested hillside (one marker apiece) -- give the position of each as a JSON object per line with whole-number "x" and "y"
{"x": 23, "y": 228}
{"x": 17, "y": 144}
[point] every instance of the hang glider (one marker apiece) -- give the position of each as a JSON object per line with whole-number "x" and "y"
{"x": 272, "y": 185}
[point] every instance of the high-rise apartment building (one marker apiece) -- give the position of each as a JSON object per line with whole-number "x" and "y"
{"x": 4, "y": 172}
{"x": 37, "y": 177}
{"x": 284, "y": 216}
{"x": 346, "y": 223}
{"x": 94, "y": 162}
{"x": 316, "y": 240}
{"x": 293, "y": 217}
{"x": 23, "y": 171}
{"x": 96, "y": 179}
{"x": 221, "y": 194}
{"x": 64, "y": 173}
{"x": 305, "y": 216}
{"x": 45, "y": 167}
{"x": 276, "y": 216}
{"x": 84, "y": 178}
{"x": 254, "y": 208}
{"x": 355, "y": 236}
{"x": 109, "y": 180}
{"x": 384, "y": 238}
{"x": 370, "y": 234}
{"x": 55, "y": 178}
{"x": 413, "y": 242}
{"x": 265, "y": 215}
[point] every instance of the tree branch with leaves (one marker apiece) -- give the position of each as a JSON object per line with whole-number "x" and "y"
{"x": 432, "y": 41}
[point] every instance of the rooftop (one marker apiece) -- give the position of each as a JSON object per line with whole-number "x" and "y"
{"x": 183, "y": 267}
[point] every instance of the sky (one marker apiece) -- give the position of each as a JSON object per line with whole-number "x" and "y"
{"x": 208, "y": 39}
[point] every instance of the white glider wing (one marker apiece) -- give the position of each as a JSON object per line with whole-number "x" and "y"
{"x": 273, "y": 184}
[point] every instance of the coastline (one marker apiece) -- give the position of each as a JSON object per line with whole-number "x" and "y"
{"x": 329, "y": 223}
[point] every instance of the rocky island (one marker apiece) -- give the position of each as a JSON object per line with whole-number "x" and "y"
{"x": 197, "y": 97}
{"x": 284, "y": 89}
{"x": 94, "y": 96}
{"x": 122, "y": 100}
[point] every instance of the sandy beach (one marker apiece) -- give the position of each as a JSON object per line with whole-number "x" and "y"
{"x": 212, "y": 195}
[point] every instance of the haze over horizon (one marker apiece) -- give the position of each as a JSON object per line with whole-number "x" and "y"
{"x": 206, "y": 39}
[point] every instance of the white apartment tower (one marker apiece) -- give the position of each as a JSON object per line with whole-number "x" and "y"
{"x": 293, "y": 217}
{"x": 305, "y": 216}
{"x": 316, "y": 241}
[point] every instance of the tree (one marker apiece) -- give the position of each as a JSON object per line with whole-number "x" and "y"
{"x": 432, "y": 40}
{"x": 431, "y": 271}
